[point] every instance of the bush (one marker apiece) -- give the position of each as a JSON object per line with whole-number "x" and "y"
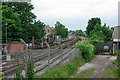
{"x": 2, "y": 74}
{"x": 86, "y": 49}
{"x": 30, "y": 71}
{"x": 98, "y": 45}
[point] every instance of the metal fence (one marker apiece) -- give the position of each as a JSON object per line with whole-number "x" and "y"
{"x": 44, "y": 59}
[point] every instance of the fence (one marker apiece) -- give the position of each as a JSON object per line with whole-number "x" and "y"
{"x": 44, "y": 59}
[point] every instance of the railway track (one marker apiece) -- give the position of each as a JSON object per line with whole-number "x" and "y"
{"x": 55, "y": 55}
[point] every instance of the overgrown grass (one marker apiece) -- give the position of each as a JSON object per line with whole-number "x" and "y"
{"x": 109, "y": 73}
{"x": 64, "y": 71}
{"x": 85, "y": 74}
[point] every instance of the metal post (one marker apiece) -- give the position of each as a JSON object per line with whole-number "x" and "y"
{"x": 26, "y": 65}
{"x": 32, "y": 42}
{"x": 69, "y": 53}
{"x": 48, "y": 56}
{"x": 113, "y": 48}
{"x": 61, "y": 54}
{"x": 42, "y": 42}
{"x": 26, "y": 59}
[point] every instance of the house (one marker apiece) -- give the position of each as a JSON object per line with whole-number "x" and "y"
{"x": 116, "y": 39}
{"x": 49, "y": 34}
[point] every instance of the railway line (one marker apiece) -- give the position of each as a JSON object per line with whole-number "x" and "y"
{"x": 40, "y": 58}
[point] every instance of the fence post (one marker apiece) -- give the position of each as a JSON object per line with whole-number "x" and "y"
{"x": 69, "y": 53}
{"x": 61, "y": 53}
{"x": 26, "y": 65}
{"x": 26, "y": 59}
{"x": 48, "y": 56}
{"x": 42, "y": 42}
{"x": 32, "y": 42}
{"x": 26, "y": 47}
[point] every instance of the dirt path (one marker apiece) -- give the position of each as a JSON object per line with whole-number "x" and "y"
{"x": 99, "y": 63}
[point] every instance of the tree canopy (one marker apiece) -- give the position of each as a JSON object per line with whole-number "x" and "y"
{"x": 78, "y": 33}
{"x": 21, "y": 21}
{"x": 98, "y": 31}
{"x": 13, "y": 21}
{"x": 61, "y": 30}
{"x": 91, "y": 23}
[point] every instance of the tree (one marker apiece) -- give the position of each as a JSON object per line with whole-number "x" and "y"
{"x": 14, "y": 30}
{"x": 61, "y": 30}
{"x": 78, "y": 33}
{"x": 38, "y": 30}
{"x": 24, "y": 9}
{"x": 107, "y": 32}
{"x": 98, "y": 36}
{"x": 65, "y": 33}
{"x": 91, "y": 23}
{"x": 104, "y": 31}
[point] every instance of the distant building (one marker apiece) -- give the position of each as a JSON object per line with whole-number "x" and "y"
{"x": 49, "y": 34}
{"x": 116, "y": 38}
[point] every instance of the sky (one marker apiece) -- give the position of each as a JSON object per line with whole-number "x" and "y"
{"x": 74, "y": 14}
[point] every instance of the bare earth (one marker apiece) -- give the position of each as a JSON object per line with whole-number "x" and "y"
{"x": 99, "y": 63}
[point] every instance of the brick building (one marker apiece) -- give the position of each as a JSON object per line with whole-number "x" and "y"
{"x": 116, "y": 39}
{"x": 12, "y": 47}
{"x": 49, "y": 33}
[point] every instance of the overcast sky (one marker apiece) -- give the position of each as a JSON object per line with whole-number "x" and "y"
{"x": 74, "y": 14}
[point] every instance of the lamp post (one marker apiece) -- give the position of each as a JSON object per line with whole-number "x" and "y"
{"x": 8, "y": 56}
{"x": 6, "y": 37}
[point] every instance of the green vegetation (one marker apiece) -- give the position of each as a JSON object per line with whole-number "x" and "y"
{"x": 2, "y": 74}
{"x": 14, "y": 23}
{"x": 86, "y": 49}
{"x": 98, "y": 34}
{"x": 21, "y": 22}
{"x": 18, "y": 74}
{"x": 109, "y": 73}
{"x": 98, "y": 45}
{"x": 61, "y": 30}
{"x": 64, "y": 71}
{"x": 30, "y": 71}
{"x": 117, "y": 64}
{"x": 85, "y": 74}
{"x": 77, "y": 33}
{"x": 91, "y": 23}
{"x": 95, "y": 30}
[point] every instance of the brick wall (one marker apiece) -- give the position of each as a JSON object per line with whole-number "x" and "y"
{"x": 13, "y": 47}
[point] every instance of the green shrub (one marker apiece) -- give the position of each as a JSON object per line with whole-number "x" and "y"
{"x": 18, "y": 74}
{"x": 117, "y": 63}
{"x": 86, "y": 49}
{"x": 98, "y": 45}
{"x": 30, "y": 71}
{"x": 2, "y": 74}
